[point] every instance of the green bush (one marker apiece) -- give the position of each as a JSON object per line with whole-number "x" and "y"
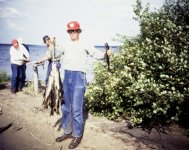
{"x": 4, "y": 77}
{"x": 149, "y": 76}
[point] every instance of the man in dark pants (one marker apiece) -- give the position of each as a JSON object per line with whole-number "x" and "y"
{"x": 51, "y": 52}
{"x": 18, "y": 56}
{"x": 20, "y": 42}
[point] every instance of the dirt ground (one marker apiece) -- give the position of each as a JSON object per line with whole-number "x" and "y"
{"x": 31, "y": 128}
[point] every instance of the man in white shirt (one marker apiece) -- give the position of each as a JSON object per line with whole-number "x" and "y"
{"x": 74, "y": 62}
{"x": 18, "y": 57}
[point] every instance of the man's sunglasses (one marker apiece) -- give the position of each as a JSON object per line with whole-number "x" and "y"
{"x": 73, "y": 31}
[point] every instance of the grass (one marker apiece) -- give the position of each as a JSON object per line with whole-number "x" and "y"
{"x": 4, "y": 77}
{"x": 29, "y": 86}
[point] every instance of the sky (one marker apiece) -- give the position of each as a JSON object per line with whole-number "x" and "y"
{"x": 100, "y": 20}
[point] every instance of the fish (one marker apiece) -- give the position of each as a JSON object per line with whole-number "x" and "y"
{"x": 107, "y": 47}
{"x": 53, "y": 94}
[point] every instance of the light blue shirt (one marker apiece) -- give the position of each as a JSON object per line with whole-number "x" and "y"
{"x": 75, "y": 55}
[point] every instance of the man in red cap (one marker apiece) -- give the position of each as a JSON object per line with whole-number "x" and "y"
{"x": 74, "y": 62}
{"x": 18, "y": 56}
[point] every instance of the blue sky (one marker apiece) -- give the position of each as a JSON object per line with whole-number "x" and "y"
{"x": 100, "y": 20}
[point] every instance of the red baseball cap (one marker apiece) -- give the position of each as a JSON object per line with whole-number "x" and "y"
{"x": 15, "y": 43}
{"x": 73, "y": 25}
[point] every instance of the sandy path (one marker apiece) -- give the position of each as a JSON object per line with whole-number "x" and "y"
{"x": 32, "y": 128}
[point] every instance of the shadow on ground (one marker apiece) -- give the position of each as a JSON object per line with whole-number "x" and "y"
{"x": 172, "y": 139}
{"x": 3, "y": 86}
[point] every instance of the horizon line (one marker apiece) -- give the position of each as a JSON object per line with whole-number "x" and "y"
{"x": 44, "y": 45}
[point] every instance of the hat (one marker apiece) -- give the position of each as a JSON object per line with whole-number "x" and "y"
{"x": 45, "y": 38}
{"x": 13, "y": 43}
{"x": 73, "y": 25}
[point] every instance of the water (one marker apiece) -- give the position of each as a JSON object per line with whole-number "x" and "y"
{"x": 37, "y": 52}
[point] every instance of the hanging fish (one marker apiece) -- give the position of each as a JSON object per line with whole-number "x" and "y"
{"x": 53, "y": 92}
{"x": 107, "y": 47}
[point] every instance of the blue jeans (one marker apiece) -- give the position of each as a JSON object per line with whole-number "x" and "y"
{"x": 74, "y": 86}
{"x": 17, "y": 77}
{"x": 49, "y": 69}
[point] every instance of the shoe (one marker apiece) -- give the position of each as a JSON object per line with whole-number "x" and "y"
{"x": 63, "y": 137}
{"x": 75, "y": 142}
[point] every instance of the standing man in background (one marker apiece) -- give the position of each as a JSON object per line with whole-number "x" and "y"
{"x": 18, "y": 56}
{"x": 51, "y": 52}
{"x": 75, "y": 62}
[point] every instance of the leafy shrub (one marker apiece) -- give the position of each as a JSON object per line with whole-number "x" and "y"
{"x": 4, "y": 77}
{"x": 149, "y": 76}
